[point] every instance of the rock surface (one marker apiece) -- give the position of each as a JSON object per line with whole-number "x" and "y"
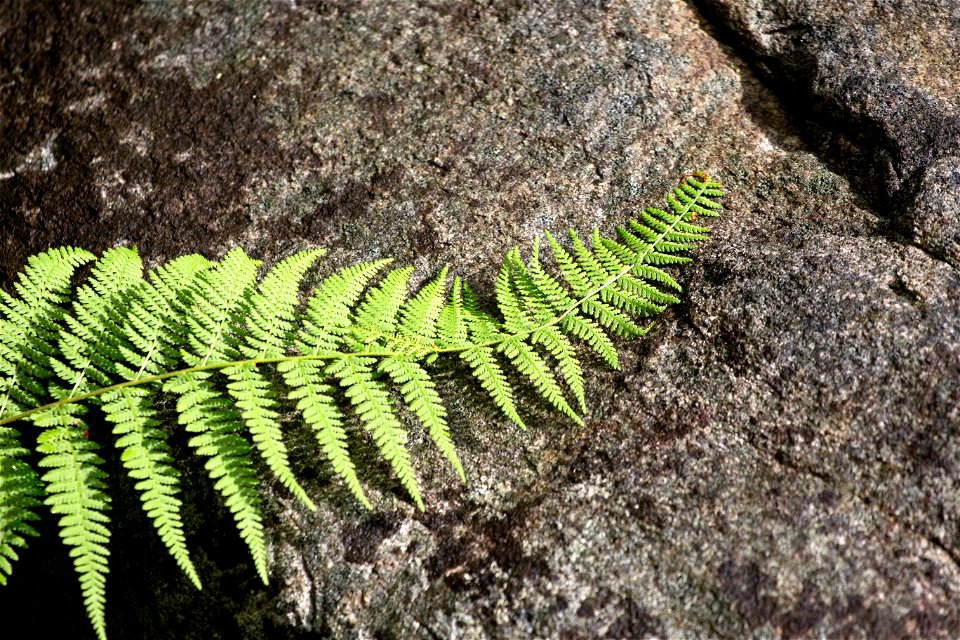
{"x": 880, "y": 94}
{"x": 778, "y": 459}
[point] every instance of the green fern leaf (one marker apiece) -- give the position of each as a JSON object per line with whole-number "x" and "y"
{"x": 588, "y": 263}
{"x": 487, "y": 370}
{"x": 218, "y": 303}
{"x": 372, "y": 403}
{"x": 637, "y": 287}
{"x": 89, "y": 343}
{"x": 529, "y": 362}
{"x": 27, "y": 328}
{"x": 324, "y": 323}
{"x": 418, "y": 317}
{"x": 421, "y": 396}
{"x": 219, "y": 298}
{"x": 320, "y": 411}
{"x": 572, "y": 274}
{"x": 377, "y": 315}
{"x": 509, "y": 302}
{"x": 480, "y": 325}
{"x": 329, "y": 313}
{"x": 154, "y": 338}
{"x": 482, "y": 359}
{"x": 20, "y": 490}
{"x": 538, "y": 307}
{"x": 75, "y": 483}
{"x": 451, "y": 323}
{"x": 572, "y": 322}
{"x": 153, "y": 331}
{"x": 593, "y": 334}
{"x": 31, "y": 324}
{"x": 211, "y": 335}
{"x": 270, "y": 325}
{"x": 256, "y": 400}
{"x": 561, "y": 349}
{"x": 267, "y": 333}
{"x": 613, "y": 320}
{"x": 148, "y": 460}
{"x": 205, "y": 412}
{"x": 75, "y": 492}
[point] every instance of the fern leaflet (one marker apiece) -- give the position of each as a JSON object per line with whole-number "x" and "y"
{"x": 28, "y": 328}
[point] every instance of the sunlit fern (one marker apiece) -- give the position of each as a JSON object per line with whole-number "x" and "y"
{"x": 231, "y": 348}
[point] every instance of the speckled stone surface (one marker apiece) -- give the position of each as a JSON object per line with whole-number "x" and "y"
{"x": 777, "y": 459}
{"x": 879, "y": 92}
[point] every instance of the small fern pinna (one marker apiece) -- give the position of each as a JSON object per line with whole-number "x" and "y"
{"x": 235, "y": 352}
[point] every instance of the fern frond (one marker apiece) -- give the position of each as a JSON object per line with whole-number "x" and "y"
{"x": 372, "y": 403}
{"x": 148, "y": 460}
{"x": 421, "y": 396}
{"x": 451, "y": 323}
{"x": 75, "y": 483}
{"x": 539, "y": 306}
{"x": 270, "y": 325}
{"x": 154, "y": 337}
{"x": 76, "y": 492}
{"x": 257, "y": 402}
{"x": 31, "y": 324}
{"x": 28, "y": 328}
{"x": 205, "y": 412}
{"x": 488, "y": 373}
{"x": 268, "y": 331}
{"x": 482, "y": 359}
{"x": 230, "y": 348}
{"x": 418, "y": 317}
{"x": 593, "y": 334}
{"x": 618, "y": 323}
{"x": 529, "y": 363}
{"x": 328, "y": 317}
{"x": 219, "y": 299}
{"x": 218, "y": 303}
{"x": 563, "y": 352}
{"x": 509, "y": 302}
{"x": 573, "y": 322}
{"x": 598, "y": 276}
{"x": 89, "y": 341}
{"x": 637, "y": 287}
{"x": 480, "y": 324}
{"x": 20, "y": 490}
{"x": 377, "y": 314}
{"x": 320, "y": 411}
{"x": 573, "y": 276}
{"x": 325, "y": 321}
{"x": 153, "y": 330}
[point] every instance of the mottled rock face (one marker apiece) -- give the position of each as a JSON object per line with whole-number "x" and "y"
{"x": 879, "y": 83}
{"x": 779, "y": 458}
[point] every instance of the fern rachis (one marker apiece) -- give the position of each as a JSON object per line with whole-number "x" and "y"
{"x": 233, "y": 349}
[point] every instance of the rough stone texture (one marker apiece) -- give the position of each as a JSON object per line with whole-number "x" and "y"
{"x": 778, "y": 459}
{"x": 880, "y": 90}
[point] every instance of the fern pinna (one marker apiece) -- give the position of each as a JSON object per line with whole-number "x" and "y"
{"x": 235, "y": 351}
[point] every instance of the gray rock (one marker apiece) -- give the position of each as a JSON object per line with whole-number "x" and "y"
{"x": 777, "y": 459}
{"x": 878, "y": 82}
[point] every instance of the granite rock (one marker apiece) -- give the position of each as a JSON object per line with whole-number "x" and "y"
{"x": 876, "y": 86}
{"x": 777, "y": 459}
